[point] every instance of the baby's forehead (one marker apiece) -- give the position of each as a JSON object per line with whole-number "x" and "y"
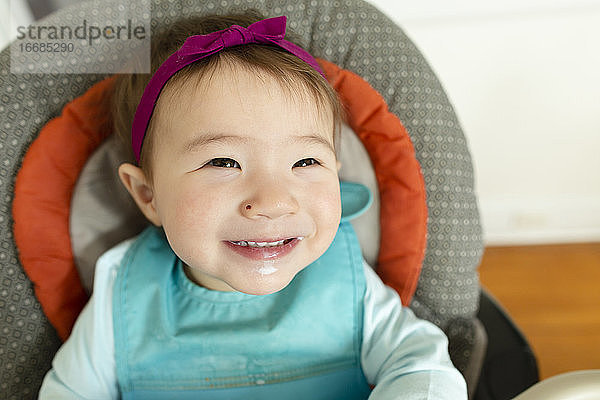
{"x": 186, "y": 93}
{"x": 232, "y": 74}
{"x": 227, "y": 101}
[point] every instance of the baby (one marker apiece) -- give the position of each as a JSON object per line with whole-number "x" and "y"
{"x": 250, "y": 283}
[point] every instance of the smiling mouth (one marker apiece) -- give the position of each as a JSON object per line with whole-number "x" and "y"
{"x": 249, "y": 243}
{"x": 264, "y": 250}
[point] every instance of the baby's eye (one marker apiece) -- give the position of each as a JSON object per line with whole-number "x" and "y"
{"x": 223, "y": 163}
{"x": 306, "y": 162}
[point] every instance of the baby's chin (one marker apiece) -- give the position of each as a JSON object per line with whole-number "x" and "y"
{"x": 268, "y": 280}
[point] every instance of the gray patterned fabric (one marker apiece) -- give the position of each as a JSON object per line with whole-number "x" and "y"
{"x": 349, "y": 33}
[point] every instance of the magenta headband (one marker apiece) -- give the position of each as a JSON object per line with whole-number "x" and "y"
{"x": 268, "y": 31}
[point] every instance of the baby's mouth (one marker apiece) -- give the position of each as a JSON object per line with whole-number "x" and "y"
{"x": 264, "y": 249}
{"x": 249, "y": 243}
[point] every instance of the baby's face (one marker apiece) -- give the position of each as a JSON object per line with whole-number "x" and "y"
{"x": 245, "y": 182}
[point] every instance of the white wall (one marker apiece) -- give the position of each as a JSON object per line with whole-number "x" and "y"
{"x": 524, "y": 77}
{"x": 15, "y": 12}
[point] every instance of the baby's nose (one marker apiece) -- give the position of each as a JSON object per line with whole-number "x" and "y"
{"x": 270, "y": 202}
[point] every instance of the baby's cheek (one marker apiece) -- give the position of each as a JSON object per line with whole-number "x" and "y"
{"x": 193, "y": 210}
{"x": 189, "y": 224}
{"x": 328, "y": 214}
{"x": 331, "y": 206}
{"x": 191, "y": 237}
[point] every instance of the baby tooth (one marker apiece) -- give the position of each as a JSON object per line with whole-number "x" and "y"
{"x": 261, "y": 244}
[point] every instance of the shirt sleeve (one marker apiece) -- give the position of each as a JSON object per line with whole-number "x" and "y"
{"x": 84, "y": 367}
{"x": 403, "y": 356}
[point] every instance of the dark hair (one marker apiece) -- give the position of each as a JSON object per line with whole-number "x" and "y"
{"x": 290, "y": 72}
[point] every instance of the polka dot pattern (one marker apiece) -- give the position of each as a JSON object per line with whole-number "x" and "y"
{"x": 349, "y": 33}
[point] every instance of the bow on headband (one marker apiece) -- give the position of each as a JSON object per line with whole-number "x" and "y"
{"x": 270, "y": 31}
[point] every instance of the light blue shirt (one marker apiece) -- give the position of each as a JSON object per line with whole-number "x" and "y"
{"x": 403, "y": 356}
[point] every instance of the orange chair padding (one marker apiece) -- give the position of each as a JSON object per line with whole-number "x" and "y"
{"x": 403, "y": 209}
{"x": 51, "y": 167}
{"x": 43, "y": 191}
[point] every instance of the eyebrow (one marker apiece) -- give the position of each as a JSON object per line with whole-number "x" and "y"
{"x": 315, "y": 139}
{"x": 206, "y": 139}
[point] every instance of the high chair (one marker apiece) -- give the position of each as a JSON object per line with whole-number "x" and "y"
{"x": 62, "y": 204}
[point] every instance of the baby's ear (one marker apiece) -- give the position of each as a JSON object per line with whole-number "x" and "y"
{"x": 134, "y": 180}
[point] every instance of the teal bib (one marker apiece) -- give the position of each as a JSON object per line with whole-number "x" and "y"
{"x": 176, "y": 340}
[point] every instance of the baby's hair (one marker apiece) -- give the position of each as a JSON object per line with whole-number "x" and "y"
{"x": 290, "y": 72}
